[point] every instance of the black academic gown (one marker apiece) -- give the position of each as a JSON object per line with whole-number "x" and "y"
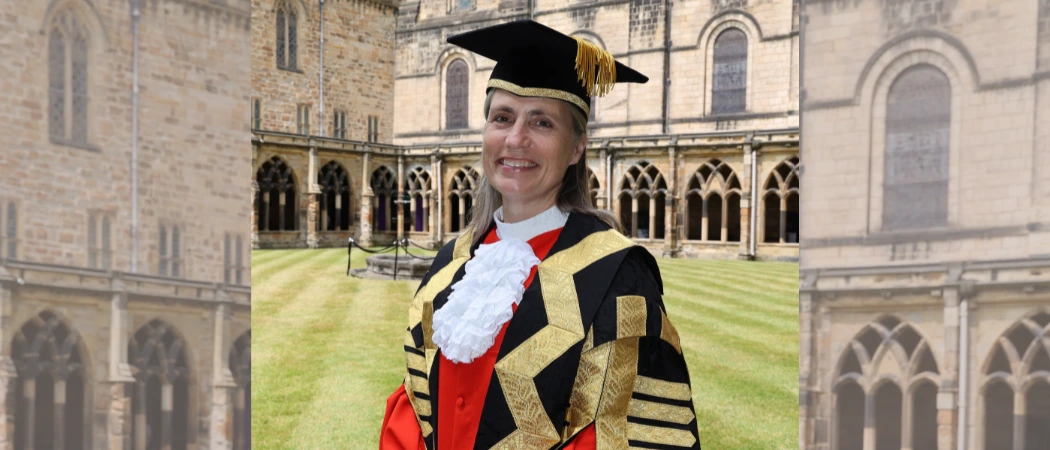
{"x": 590, "y": 343}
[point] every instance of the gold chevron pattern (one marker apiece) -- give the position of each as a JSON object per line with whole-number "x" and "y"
{"x": 517, "y": 370}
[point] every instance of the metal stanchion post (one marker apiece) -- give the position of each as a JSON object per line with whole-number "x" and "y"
{"x": 397, "y": 246}
{"x": 349, "y": 254}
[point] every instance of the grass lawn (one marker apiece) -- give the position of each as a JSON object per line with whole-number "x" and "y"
{"x": 328, "y": 349}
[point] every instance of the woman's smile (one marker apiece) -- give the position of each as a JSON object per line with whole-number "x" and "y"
{"x": 516, "y": 165}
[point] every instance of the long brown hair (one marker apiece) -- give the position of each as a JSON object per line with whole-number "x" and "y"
{"x": 574, "y": 196}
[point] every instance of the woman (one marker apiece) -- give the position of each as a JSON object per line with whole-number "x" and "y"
{"x": 541, "y": 326}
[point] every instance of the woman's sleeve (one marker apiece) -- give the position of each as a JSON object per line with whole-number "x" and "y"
{"x": 645, "y": 396}
{"x": 400, "y": 429}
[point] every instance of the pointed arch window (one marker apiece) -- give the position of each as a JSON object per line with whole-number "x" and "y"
{"x": 457, "y": 95}
{"x": 642, "y": 199}
{"x": 68, "y": 80}
{"x": 729, "y": 93}
{"x": 334, "y": 198}
{"x": 287, "y": 36}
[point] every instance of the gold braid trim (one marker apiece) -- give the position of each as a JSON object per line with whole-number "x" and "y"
{"x": 595, "y": 68}
{"x": 540, "y": 92}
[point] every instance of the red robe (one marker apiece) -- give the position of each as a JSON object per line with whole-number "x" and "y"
{"x": 467, "y": 384}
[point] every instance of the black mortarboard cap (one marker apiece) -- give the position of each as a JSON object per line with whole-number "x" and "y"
{"x": 533, "y": 60}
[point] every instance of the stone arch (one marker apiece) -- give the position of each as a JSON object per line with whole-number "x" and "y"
{"x": 461, "y": 192}
{"x": 1014, "y": 380}
{"x": 277, "y": 198}
{"x": 642, "y": 195}
{"x": 240, "y": 365}
{"x": 384, "y": 186}
{"x": 335, "y": 199}
{"x": 780, "y": 203}
{"x": 922, "y": 48}
{"x": 419, "y": 186}
{"x": 52, "y": 395}
{"x": 163, "y": 406}
{"x": 714, "y": 27}
{"x": 705, "y": 220}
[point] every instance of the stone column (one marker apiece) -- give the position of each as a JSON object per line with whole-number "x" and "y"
{"x": 670, "y": 211}
{"x": 29, "y": 403}
{"x": 652, "y": 216}
{"x": 8, "y": 374}
{"x": 167, "y": 403}
{"x": 224, "y": 385}
{"x": 703, "y": 219}
{"x": 869, "y": 421}
{"x": 312, "y": 189}
{"x": 745, "y": 199}
{"x": 400, "y": 194}
{"x": 634, "y": 217}
{"x": 120, "y": 376}
{"x": 364, "y": 239}
{"x": 60, "y": 413}
{"x": 255, "y": 196}
{"x": 439, "y": 201}
{"x": 255, "y": 215}
{"x": 805, "y": 359}
{"x": 948, "y": 392}
{"x": 603, "y": 181}
{"x": 462, "y": 214}
{"x": 431, "y": 201}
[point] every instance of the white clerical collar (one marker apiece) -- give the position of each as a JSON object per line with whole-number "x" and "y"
{"x": 551, "y": 219}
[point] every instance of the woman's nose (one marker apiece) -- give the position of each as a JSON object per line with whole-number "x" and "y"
{"x": 518, "y": 137}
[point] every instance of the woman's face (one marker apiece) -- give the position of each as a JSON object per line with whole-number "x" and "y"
{"x": 527, "y": 147}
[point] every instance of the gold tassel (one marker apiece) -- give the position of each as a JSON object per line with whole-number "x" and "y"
{"x": 589, "y": 59}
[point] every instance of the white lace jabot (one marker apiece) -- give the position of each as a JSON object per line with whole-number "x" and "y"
{"x": 493, "y": 282}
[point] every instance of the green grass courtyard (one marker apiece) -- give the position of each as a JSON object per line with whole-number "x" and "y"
{"x": 328, "y": 349}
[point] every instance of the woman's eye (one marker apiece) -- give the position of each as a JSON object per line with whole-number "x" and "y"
{"x": 501, "y": 119}
{"x": 544, "y": 123}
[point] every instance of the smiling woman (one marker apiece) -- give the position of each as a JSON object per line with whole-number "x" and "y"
{"x": 541, "y": 325}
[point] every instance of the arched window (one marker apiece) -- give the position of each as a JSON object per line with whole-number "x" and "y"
{"x": 334, "y": 198}
{"x": 1019, "y": 362}
{"x": 51, "y": 386}
{"x": 918, "y": 118}
{"x": 419, "y": 192}
{"x": 287, "y": 36}
{"x": 457, "y": 95}
{"x": 276, "y": 202}
{"x": 240, "y": 363}
{"x": 461, "y": 197}
{"x": 68, "y": 80}
{"x": 713, "y": 203}
{"x": 780, "y": 203}
{"x": 158, "y": 361}
{"x": 642, "y": 201}
{"x": 729, "y": 93}
{"x": 384, "y": 186}
{"x": 892, "y": 346}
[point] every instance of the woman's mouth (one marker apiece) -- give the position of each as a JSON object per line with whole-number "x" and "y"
{"x": 516, "y": 164}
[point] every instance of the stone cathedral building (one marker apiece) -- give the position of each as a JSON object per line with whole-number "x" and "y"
{"x": 124, "y": 225}
{"x": 925, "y": 298}
{"x": 378, "y": 135}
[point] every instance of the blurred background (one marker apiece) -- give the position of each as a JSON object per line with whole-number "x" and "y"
{"x": 124, "y": 224}
{"x": 925, "y": 253}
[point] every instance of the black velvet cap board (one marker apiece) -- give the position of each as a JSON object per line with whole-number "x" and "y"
{"x": 533, "y": 60}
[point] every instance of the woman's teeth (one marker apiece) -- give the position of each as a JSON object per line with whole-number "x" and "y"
{"x": 510, "y": 163}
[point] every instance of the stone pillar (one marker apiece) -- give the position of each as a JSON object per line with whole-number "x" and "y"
{"x": 224, "y": 385}
{"x": 462, "y": 213}
{"x": 745, "y": 199}
{"x": 255, "y": 215}
{"x": 431, "y": 201}
{"x": 439, "y": 201}
{"x": 400, "y": 194}
{"x": 120, "y": 377}
{"x": 29, "y": 403}
{"x": 703, "y": 219}
{"x": 670, "y": 211}
{"x": 869, "y": 421}
{"x": 8, "y": 374}
{"x": 948, "y": 392}
{"x": 634, "y": 218}
{"x": 652, "y": 217}
{"x": 603, "y": 181}
{"x": 255, "y": 196}
{"x": 412, "y": 213}
{"x": 167, "y": 402}
{"x": 364, "y": 239}
{"x": 312, "y": 189}
{"x": 60, "y": 413}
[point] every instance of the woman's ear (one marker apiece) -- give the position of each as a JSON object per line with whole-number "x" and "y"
{"x": 577, "y": 152}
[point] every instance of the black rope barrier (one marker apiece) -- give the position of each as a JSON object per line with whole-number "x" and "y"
{"x": 396, "y": 246}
